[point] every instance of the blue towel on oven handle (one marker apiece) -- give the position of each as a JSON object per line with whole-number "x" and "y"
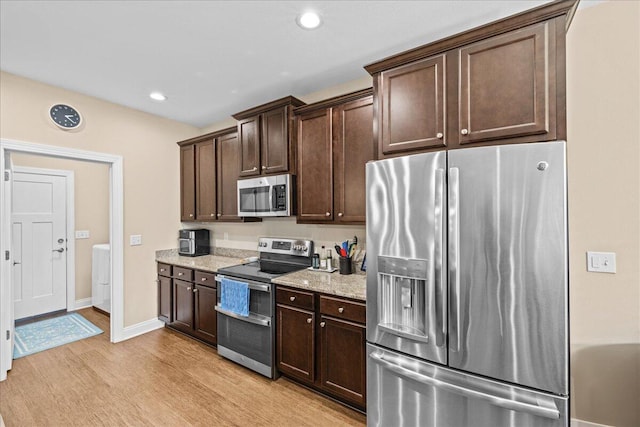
{"x": 235, "y": 296}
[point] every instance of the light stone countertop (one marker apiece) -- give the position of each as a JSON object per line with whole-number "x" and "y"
{"x": 210, "y": 263}
{"x": 348, "y": 286}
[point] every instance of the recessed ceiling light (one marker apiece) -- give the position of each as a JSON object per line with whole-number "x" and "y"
{"x": 157, "y": 96}
{"x": 309, "y": 20}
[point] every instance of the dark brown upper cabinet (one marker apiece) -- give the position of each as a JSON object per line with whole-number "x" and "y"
{"x": 503, "y": 82}
{"x": 187, "y": 183}
{"x": 413, "y": 107}
{"x": 265, "y": 140}
{"x": 208, "y": 177}
{"x": 205, "y": 159}
{"x": 335, "y": 141}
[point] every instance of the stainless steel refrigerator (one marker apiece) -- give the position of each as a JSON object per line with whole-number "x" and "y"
{"x": 467, "y": 288}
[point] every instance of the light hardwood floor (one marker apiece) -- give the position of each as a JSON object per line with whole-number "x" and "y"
{"x": 158, "y": 379}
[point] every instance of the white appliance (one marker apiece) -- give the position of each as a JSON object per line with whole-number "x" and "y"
{"x": 467, "y": 288}
{"x": 101, "y": 277}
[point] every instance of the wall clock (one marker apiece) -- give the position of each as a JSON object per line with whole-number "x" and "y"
{"x": 65, "y": 116}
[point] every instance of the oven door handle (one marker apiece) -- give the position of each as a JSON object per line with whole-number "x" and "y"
{"x": 255, "y": 286}
{"x": 256, "y": 319}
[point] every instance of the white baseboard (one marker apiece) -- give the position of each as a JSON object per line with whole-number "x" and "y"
{"x": 141, "y": 328}
{"x": 81, "y": 303}
{"x": 579, "y": 423}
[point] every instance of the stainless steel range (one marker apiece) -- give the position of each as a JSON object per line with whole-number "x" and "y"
{"x": 250, "y": 340}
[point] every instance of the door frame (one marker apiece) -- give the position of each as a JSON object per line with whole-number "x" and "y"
{"x": 69, "y": 222}
{"x": 116, "y": 238}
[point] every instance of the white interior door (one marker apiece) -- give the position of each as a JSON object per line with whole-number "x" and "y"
{"x": 38, "y": 222}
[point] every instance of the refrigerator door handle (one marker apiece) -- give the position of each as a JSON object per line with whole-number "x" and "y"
{"x": 440, "y": 311}
{"x": 548, "y": 412}
{"x": 454, "y": 252}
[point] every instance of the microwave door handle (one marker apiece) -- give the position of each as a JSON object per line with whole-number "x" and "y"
{"x": 549, "y": 410}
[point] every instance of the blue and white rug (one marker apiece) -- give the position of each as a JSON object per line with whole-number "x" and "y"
{"x": 45, "y": 334}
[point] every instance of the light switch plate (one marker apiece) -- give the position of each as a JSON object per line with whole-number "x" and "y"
{"x": 135, "y": 240}
{"x": 82, "y": 234}
{"x": 601, "y": 262}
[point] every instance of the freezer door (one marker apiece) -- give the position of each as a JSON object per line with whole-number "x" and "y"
{"x": 404, "y": 391}
{"x": 508, "y": 264}
{"x": 406, "y": 281}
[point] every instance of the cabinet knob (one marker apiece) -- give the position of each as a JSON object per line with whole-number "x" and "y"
{"x": 162, "y": 270}
{"x": 190, "y": 215}
{"x": 157, "y": 280}
{"x": 322, "y": 324}
{"x": 292, "y": 299}
{"x": 439, "y": 135}
{"x": 255, "y": 168}
{"x": 327, "y": 214}
{"x": 189, "y": 288}
{"x": 464, "y": 132}
{"x": 219, "y": 215}
{"x": 204, "y": 279}
{"x": 339, "y": 213}
{"x": 340, "y": 310}
{"x": 180, "y": 274}
{"x": 264, "y": 168}
{"x": 195, "y": 290}
{"x": 309, "y": 320}
{"x": 213, "y": 214}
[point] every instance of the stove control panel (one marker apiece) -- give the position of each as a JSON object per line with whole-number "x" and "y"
{"x": 295, "y": 247}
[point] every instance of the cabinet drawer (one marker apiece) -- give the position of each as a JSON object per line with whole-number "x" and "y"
{"x": 164, "y": 270}
{"x": 183, "y": 273}
{"x": 343, "y": 309}
{"x": 204, "y": 278}
{"x": 299, "y": 299}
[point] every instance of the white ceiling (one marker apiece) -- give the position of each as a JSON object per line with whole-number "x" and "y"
{"x": 215, "y": 58}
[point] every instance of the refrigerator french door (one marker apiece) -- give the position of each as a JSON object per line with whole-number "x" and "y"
{"x": 467, "y": 287}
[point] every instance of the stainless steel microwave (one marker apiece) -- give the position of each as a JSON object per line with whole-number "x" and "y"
{"x": 266, "y": 196}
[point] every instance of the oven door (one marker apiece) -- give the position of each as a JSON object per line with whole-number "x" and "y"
{"x": 248, "y": 340}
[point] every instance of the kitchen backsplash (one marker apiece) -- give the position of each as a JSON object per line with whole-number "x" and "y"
{"x": 244, "y": 236}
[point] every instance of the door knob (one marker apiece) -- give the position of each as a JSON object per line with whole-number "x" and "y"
{"x": 58, "y": 250}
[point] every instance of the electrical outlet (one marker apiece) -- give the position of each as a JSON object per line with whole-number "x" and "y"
{"x": 82, "y": 234}
{"x": 135, "y": 240}
{"x": 601, "y": 262}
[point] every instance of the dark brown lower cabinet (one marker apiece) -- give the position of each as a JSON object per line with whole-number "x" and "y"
{"x": 342, "y": 356}
{"x": 164, "y": 292}
{"x": 296, "y": 342}
{"x": 187, "y": 306}
{"x": 321, "y": 343}
{"x": 205, "y": 319}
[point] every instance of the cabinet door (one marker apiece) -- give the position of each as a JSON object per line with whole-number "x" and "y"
{"x": 249, "y": 134}
{"x": 187, "y": 183}
{"x": 505, "y": 86}
{"x": 343, "y": 359}
{"x": 315, "y": 167}
{"x": 353, "y": 147}
{"x": 296, "y": 342}
{"x": 275, "y": 141}
{"x": 164, "y": 299}
{"x": 205, "y": 313}
{"x": 412, "y": 106}
{"x": 183, "y": 304}
{"x": 228, "y": 172}
{"x": 206, "y": 180}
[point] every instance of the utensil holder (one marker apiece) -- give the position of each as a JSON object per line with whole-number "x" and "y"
{"x": 345, "y": 265}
